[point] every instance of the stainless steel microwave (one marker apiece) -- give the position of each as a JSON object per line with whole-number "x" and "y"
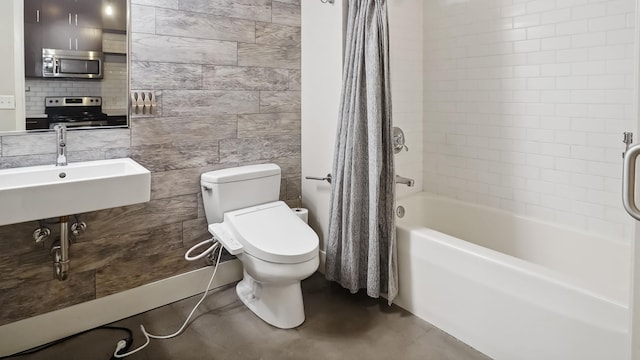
{"x": 72, "y": 64}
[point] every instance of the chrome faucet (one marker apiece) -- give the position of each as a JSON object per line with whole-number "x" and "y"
{"x": 61, "y": 142}
{"x": 405, "y": 181}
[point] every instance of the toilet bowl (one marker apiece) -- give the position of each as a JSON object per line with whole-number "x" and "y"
{"x": 277, "y": 301}
{"x": 277, "y": 249}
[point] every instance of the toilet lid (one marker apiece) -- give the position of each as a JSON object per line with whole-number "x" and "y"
{"x": 272, "y": 232}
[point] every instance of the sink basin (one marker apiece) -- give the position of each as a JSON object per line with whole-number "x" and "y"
{"x": 40, "y": 192}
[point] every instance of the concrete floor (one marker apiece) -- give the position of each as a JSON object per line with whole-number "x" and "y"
{"x": 338, "y": 326}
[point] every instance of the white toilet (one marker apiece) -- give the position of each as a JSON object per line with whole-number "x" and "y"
{"x": 277, "y": 248}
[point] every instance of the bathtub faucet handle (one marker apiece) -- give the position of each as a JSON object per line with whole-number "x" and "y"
{"x": 398, "y": 143}
{"x": 405, "y": 181}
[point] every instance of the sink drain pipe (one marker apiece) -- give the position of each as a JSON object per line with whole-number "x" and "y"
{"x": 61, "y": 261}
{"x": 60, "y": 248}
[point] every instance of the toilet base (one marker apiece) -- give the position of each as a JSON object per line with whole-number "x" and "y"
{"x": 277, "y": 304}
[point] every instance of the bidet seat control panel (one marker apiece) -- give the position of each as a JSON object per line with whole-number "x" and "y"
{"x": 226, "y": 239}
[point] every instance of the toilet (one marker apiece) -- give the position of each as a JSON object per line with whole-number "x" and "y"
{"x": 276, "y": 248}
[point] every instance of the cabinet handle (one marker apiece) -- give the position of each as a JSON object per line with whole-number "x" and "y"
{"x": 37, "y": 16}
{"x": 76, "y": 19}
{"x": 69, "y": 18}
{"x": 70, "y": 48}
{"x": 76, "y": 43}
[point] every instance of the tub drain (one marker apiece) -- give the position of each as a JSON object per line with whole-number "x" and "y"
{"x": 400, "y": 211}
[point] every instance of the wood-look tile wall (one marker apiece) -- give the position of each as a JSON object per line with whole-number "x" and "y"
{"x": 227, "y": 77}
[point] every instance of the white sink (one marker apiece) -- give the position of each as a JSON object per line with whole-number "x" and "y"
{"x": 40, "y": 192}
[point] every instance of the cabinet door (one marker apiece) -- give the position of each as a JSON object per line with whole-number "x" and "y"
{"x": 32, "y": 11}
{"x": 32, "y": 50}
{"x": 56, "y": 12}
{"x": 88, "y": 39}
{"x": 37, "y": 123}
{"x": 59, "y": 29}
{"x": 117, "y": 20}
{"x": 58, "y": 37}
{"x": 86, "y": 13}
{"x": 77, "y": 13}
{"x": 66, "y": 38}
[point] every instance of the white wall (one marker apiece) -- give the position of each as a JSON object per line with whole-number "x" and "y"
{"x": 7, "y": 62}
{"x": 525, "y": 105}
{"x": 405, "y": 47}
{"x": 322, "y": 26}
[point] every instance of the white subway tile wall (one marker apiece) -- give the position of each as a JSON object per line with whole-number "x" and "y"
{"x": 38, "y": 89}
{"x": 525, "y": 103}
{"x": 406, "y": 48}
{"x": 115, "y": 95}
{"x": 113, "y": 88}
{"x": 114, "y": 43}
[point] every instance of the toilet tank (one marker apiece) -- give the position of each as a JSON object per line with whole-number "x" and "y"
{"x": 237, "y": 188}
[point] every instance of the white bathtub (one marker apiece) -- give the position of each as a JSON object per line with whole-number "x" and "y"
{"x": 513, "y": 287}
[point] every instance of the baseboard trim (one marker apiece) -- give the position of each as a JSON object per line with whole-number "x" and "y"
{"x": 41, "y": 329}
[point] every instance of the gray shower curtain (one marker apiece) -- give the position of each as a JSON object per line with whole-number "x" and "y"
{"x": 361, "y": 248}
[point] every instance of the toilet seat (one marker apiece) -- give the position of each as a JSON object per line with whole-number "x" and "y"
{"x": 273, "y": 233}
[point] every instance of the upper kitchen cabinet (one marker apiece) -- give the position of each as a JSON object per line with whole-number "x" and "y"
{"x": 62, "y": 37}
{"x": 33, "y": 38}
{"x": 72, "y": 24}
{"x": 64, "y": 25}
{"x": 114, "y": 16}
{"x": 75, "y": 13}
{"x": 32, "y": 11}
{"x": 32, "y": 50}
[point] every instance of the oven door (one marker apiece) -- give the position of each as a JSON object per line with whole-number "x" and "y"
{"x": 72, "y": 64}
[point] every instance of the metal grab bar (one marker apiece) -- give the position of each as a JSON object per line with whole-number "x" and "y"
{"x": 629, "y": 181}
{"x": 326, "y": 178}
{"x": 398, "y": 179}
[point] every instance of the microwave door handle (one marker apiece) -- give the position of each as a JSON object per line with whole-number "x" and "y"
{"x": 56, "y": 67}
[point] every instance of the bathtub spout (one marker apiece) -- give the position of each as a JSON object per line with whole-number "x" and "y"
{"x": 405, "y": 181}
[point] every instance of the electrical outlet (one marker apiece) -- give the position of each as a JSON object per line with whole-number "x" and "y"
{"x": 7, "y": 102}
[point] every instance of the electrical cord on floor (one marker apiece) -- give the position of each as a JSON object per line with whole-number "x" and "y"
{"x": 128, "y": 340}
{"x": 123, "y": 346}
